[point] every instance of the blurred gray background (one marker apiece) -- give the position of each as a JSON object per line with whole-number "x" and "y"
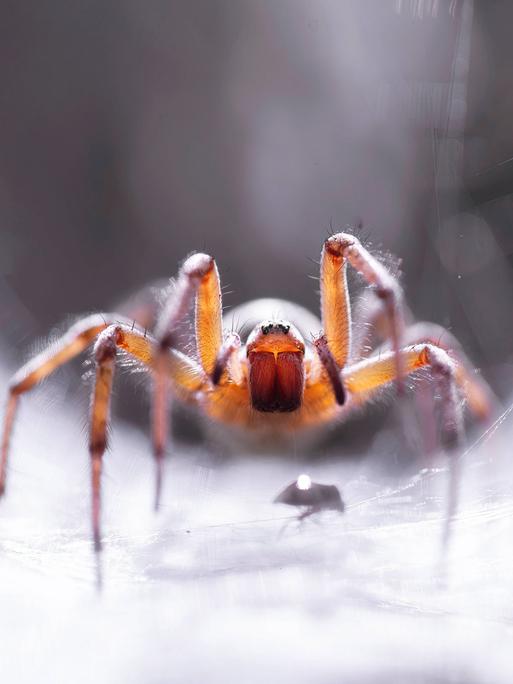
{"x": 133, "y": 133}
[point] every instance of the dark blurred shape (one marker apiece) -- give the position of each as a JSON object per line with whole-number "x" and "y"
{"x": 315, "y": 497}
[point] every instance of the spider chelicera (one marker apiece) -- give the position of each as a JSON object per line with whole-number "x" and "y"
{"x": 276, "y": 380}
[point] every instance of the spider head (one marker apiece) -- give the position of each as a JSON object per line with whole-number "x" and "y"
{"x": 275, "y": 352}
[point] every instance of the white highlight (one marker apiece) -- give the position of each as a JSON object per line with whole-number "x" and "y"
{"x": 304, "y": 482}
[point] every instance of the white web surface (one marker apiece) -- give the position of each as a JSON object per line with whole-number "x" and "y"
{"x": 224, "y": 586}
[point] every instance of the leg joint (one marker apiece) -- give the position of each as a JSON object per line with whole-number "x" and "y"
{"x": 338, "y": 244}
{"x": 97, "y": 446}
{"x": 14, "y": 387}
{"x": 438, "y": 360}
{"x": 386, "y": 292}
{"x": 198, "y": 265}
{"x": 167, "y": 341}
{"x": 106, "y": 345}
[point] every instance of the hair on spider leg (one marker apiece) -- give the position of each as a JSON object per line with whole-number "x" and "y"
{"x": 225, "y": 290}
{"x": 232, "y": 328}
{"x": 365, "y": 237}
{"x": 242, "y": 325}
{"x": 43, "y": 344}
{"x": 237, "y": 325}
{"x": 330, "y": 231}
{"x": 315, "y": 262}
{"x": 88, "y": 372}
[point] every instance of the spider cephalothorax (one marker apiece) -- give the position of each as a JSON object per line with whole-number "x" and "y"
{"x": 280, "y": 379}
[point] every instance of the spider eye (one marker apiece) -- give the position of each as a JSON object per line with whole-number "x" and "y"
{"x": 266, "y": 329}
{"x": 284, "y": 328}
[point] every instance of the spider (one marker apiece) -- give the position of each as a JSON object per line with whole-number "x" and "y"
{"x": 275, "y": 379}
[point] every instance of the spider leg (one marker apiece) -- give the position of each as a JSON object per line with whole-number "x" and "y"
{"x": 372, "y": 326}
{"x": 72, "y": 343}
{"x": 208, "y": 318}
{"x": 335, "y": 305}
{"x": 478, "y": 394}
{"x": 338, "y": 250}
{"x": 330, "y": 367}
{"x": 185, "y": 375}
{"x": 372, "y": 373}
{"x": 369, "y": 375}
{"x": 227, "y": 359}
{"x": 104, "y": 356}
{"x": 199, "y": 278}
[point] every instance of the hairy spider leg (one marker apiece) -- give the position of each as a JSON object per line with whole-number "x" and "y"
{"x": 186, "y": 377}
{"x": 370, "y": 374}
{"x": 335, "y": 305}
{"x": 198, "y": 278}
{"x": 338, "y": 250}
{"x": 371, "y": 326}
{"x": 373, "y": 373}
{"x": 331, "y": 369}
{"x": 226, "y": 360}
{"x": 104, "y": 356}
{"x": 479, "y": 396}
{"x": 208, "y": 314}
{"x": 79, "y": 336}
{"x": 373, "y": 330}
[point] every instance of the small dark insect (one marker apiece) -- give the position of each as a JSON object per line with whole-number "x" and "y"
{"x": 314, "y": 496}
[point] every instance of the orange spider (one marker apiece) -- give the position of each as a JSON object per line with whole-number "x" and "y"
{"x": 279, "y": 379}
